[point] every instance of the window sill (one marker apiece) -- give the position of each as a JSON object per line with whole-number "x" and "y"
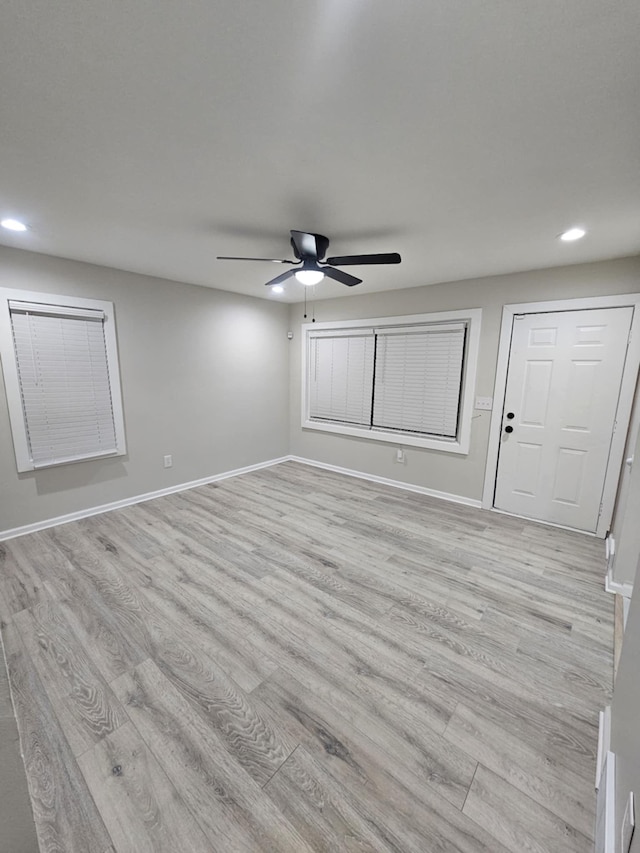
{"x": 67, "y": 460}
{"x": 403, "y": 439}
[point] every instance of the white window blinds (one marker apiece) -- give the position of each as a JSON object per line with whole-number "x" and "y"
{"x": 341, "y": 376}
{"x": 418, "y": 379}
{"x": 63, "y": 376}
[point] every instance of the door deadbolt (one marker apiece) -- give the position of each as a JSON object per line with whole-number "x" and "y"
{"x": 508, "y": 428}
{"x": 510, "y": 415}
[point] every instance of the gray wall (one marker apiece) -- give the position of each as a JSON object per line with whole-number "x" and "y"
{"x": 625, "y": 717}
{"x": 204, "y": 378}
{"x": 445, "y": 472}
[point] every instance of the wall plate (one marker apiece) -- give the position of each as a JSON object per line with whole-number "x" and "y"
{"x": 484, "y": 403}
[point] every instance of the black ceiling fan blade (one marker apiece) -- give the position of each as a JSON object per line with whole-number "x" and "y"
{"x": 280, "y": 278}
{"x": 342, "y": 277}
{"x": 307, "y": 245}
{"x": 348, "y": 260}
{"x": 272, "y": 260}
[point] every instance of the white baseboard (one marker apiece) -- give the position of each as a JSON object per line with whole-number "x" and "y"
{"x": 181, "y": 487}
{"x": 624, "y": 589}
{"x": 396, "y": 484}
{"x": 606, "y": 808}
{"x": 136, "y": 499}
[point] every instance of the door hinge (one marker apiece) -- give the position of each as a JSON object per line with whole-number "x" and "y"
{"x": 518, "y": 316}
{"x": 600, "y": 510}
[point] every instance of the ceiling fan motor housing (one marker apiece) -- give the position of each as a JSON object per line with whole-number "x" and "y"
{"x": 306, "y": 245}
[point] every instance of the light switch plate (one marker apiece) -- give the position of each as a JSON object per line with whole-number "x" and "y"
{"x": 628, "y": 824}
{"x": 485, "y": 403}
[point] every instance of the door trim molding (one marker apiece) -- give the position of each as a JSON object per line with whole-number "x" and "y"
{"x": 627, "y": 388}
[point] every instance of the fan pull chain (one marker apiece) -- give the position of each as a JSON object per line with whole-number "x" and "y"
{"x": 313, "y": 303}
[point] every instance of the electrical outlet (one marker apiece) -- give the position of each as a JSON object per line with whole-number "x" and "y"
{"x": 399, "y": 455}
{"x": 168, "y": 461}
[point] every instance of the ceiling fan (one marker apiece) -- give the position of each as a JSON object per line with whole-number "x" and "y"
{"x": 310, "y": 251}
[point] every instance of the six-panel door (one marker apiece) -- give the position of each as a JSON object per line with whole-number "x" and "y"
{"x": 563, "y": 384}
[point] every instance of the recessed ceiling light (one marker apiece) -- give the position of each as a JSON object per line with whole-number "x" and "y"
{"x": 13, "y": 225}
{"x": 277, "y": 288}
{"x": 573, "y": 234}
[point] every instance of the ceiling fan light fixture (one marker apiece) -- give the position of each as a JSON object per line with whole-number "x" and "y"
{"x": 277, "y": 288}
{"x": 572, "y": 234}
{"x": 309, "y": 277}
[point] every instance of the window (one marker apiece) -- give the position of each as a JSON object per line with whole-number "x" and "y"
{"x": 407, "y": 380}
{"x": 59, "y": 360}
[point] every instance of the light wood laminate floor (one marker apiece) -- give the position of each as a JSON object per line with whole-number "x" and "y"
{"x": 293, "y": 660}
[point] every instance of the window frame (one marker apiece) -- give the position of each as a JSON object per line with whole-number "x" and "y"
{"x": 471, "y": 317}
{"x": 8, "y": 358}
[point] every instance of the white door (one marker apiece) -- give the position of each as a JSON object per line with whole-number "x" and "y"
{"x": 563, "y": 384}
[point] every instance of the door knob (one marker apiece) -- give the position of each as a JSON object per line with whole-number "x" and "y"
{"x": 508, "y": 428}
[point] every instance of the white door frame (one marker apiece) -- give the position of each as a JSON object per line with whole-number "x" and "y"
{"x": 623, "y": 413}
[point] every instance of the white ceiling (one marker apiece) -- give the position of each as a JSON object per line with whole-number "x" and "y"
{"x": 154, "y": 135}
